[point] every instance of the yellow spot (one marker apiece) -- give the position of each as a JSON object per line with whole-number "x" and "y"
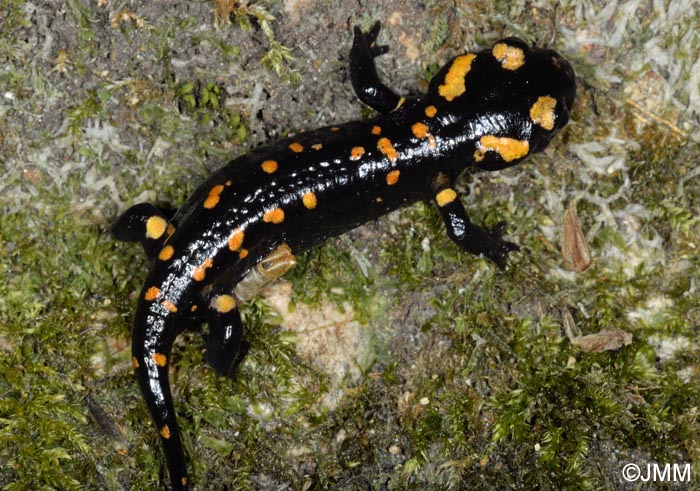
{"x": 269, "y": 166}
{"x": 542, "y": 112}
{"x": 224, "y": 303}
{"x": 135, "y": 362}
{"x": 193, "y": 308}
{"x": 335, "y": 128}
{"x": 420, "y": 130}
{"x": 160, "y": 359}
{"x": 236, "y": 240}
{"x": 166, "y": 253}
{"x": 169, "y": 306}
{"x": 317, "y": 146}
{"x": 243, "y": 253}
{"x": 392, "y": 177}
{"x": 376, "y": 130}
{"x": 199, "y": 272}
{"x": 274, "y": 216}
{"x": 165, "y": 432}
{"x": 183, "y": 481}
{"x": 152, "y": 293}
{"x": 227, "y": 183}
{"x": 445, "y": 197}
{"x": 155, "y": 227}
{"x": 213, "y": 197}
{"x": 309, "y": 200}
{"x": 400, "y": 103}
{"x": 384, "y": 145}
{"x": 171, "y": 229}
{"x": 296, "y": 147}
{"x": 511, "y": 57}
{"x": 356, "y": 153}
{"x": 454, "y": 78}
{"x": 431, "y": 111}
{"x": 508, "y": 148}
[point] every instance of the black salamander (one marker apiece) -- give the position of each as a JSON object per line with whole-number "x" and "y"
{"x": 243, "y": 226}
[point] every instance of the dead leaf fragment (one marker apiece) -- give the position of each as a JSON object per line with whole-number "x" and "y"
{"x": 607, "y": 340}
{"x": 574, "y": 247}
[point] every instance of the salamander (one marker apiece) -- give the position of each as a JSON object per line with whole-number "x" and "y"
{"x": 244, "y": 225}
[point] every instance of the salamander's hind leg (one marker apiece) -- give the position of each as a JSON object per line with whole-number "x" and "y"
{"x": 225, "y": 345}
{"x": 363, "y": 73}
{"x": 147, "y": 224}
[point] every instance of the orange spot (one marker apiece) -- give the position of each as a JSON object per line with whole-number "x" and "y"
{"x": 454, "y": 85}
{"x": 269, "y": 166}
{"x": 376, "y": 130}
{"x": 224, "y": 303}
{"x": 166, "y": 253}
{"x": 227, "y": 183}
{"x": 152, "y": 293}
{"x": 392, "y": 177}
{"x": 160, "y": 359}
{"x": 378, "y": 199}
{"x": 199, "y": 272}
{"x": 384, "y": 145}
{"x": 431, "y": 111}
{"x": 542, "y": 112}
{"x": 508, "y": 148}
{"x": 135, "y": 362}
{"x": 445, "y": 197}
{"x": 169, "y": 306}
{"x": 511, "y": 57}
{"x": 193, "y": 308}
{"x": 171, "y": 229}
{"x": 356, "y": 153}
{"x": 243, "y": 253}
{"x": 236, "y": 240}
{"x": 309, "y": 200}
{"x": 213, "y": 197}
{"x": 420, "y": 130}
{"x": 296, "y": 147}
{"x": 183, "y": 481}
{"x": 335, "y": 128}
{"x": 165, "y": 432}
{"x": 155, "y": 227}
{"x": 317, "y": 146}
{"x": 274, "y": 216}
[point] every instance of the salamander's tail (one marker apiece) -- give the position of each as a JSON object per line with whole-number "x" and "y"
{"x": 152, "y": 340}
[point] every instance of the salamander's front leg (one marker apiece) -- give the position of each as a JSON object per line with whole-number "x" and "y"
{"x": 470, "y": 237}
{"x": 225, "y": 345}
{"x": 363, "y": 73}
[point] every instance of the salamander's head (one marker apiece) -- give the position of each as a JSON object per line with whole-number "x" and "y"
{"x": 506, "y": 102}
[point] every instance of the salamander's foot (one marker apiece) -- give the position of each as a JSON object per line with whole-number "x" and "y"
{"x": 498, "y": 252}
{"x": 368, "y": 40}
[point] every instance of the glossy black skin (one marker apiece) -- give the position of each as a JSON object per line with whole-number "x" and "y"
{"x": 348, "y": 192}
